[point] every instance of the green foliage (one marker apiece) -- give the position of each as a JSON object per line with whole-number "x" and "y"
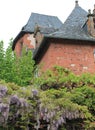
{"x": 23, "y": 69}
{"x": 54, "y": 107}
{"x": 85, "y": 96}
{"x": 13, "y": 69}
{"x": 61, "y": 99}
{"x": 60, "y": 77}
{"x": 65, "y": 91}
{"x": 52, "y": 79}
{"x": 8, "y": 63}
{"x": 2, "y": 54}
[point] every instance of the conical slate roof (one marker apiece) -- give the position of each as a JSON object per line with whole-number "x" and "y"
{"x": 74, "y": 27}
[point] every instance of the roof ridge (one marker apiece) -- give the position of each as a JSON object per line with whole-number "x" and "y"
{"x": 43, "y": 14}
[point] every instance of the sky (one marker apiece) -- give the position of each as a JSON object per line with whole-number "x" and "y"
{"x": 14, "y": 14}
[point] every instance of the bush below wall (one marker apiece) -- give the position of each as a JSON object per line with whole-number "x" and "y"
{"x": 29, "y": 108}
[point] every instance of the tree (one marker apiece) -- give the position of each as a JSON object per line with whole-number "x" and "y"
{"x": 19, "y": 70}
{"x": 23, "y": 69}
{"x": 2, "y": 56}
{"x": 8, "y": 63}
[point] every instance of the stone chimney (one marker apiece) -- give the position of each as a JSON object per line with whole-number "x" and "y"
{"x": 91, "y": 22}
{"x": 38, "y": 35}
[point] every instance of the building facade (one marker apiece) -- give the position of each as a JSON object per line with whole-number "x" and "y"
{"x": 71, "y": 45}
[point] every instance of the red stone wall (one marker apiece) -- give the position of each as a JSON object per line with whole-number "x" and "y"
{"x": 24, "y": 41}
{"x": 74, "y": 55}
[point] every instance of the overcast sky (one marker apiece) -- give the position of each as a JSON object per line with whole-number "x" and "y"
{"x": 14, "y": 14}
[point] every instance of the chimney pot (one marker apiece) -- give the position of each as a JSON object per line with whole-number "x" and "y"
{"x": 89, "y": 11}
{"x": 76, "y": 3}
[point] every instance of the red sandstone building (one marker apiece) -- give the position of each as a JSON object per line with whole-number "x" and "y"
{"x": 26, "y": 38}
{"x": 71, "y": 45}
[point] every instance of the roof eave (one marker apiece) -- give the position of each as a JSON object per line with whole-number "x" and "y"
{"x": 66, "y": 38}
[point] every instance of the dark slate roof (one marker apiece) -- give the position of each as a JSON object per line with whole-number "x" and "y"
{"x": 43, "y": 21}
{"x": 46, "y": 22}
{"x": 74, "y": 27}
